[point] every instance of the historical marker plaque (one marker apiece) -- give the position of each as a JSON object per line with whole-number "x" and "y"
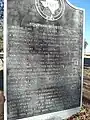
{"x": 44, "y": 58}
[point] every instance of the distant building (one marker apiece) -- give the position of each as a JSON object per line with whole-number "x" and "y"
{"x": 1, "y": 71}
{"x": 87, "y": 59}
{"x": 87, "y": 54}
{"x": 1, "y": 79}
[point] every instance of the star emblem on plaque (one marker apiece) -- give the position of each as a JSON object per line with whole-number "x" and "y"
{"x": 50, "y": 9}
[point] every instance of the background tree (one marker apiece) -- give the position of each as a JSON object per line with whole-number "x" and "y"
{"x": 85, "y": 45}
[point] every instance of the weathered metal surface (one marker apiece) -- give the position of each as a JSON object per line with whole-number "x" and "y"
{"x": 44, "y": 58}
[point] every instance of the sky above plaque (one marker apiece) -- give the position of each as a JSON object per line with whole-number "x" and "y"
{"x": 85, "y": 4}
{"x": 1, "y": 9}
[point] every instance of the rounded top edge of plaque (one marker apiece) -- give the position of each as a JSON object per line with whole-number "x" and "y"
{"x": 73, "y": 6}
{"x": 51, "y": 10}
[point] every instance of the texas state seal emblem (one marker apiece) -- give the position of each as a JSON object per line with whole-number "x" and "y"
{"x": 50, "y": 9}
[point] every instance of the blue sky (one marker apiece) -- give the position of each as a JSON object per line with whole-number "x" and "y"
{"x": 85, "y": 4}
